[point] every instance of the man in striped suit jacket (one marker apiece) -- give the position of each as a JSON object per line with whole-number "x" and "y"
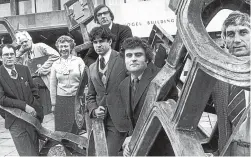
{"x": 231, "y": 101}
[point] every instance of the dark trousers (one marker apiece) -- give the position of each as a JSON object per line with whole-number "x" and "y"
{"x": 114, "y": 138}
{"x": 25, "y": 138}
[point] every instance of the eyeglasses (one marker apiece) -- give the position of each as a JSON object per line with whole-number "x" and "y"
{"x": 8, "y": 54}
{"x": 104, "y": 13}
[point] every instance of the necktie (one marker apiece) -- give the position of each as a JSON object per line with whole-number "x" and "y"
{"x": 135, "y": 84}
{"x": 29, "y": 55}
{"x": 237, "y": 104}
{"x": 13, "y": 73}
{"x": 102, "y": 63}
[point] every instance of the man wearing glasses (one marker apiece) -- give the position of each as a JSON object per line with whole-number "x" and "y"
{"x": 17, "y": 90}
{"x": 104, "y": 17}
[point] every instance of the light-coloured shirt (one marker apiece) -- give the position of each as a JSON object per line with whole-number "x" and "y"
{"x": 65, "y": 77}
{"x": 106, "y": 56}
{"x": 40, "y": 50}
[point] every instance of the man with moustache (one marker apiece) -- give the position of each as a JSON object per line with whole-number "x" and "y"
{"x": 231, "y": 101}
{"x": 28, "y": 51}
{"x": 17, "y": 90}
{"x": 104, "y": 17}
{"x": 133, "y": 89}
{"x": 105, "y": 75}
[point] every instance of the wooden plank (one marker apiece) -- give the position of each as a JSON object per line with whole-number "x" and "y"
{"x": 99, "y": 137}
{"x": 57, "y": 136}
{"x": 193, "y": 99}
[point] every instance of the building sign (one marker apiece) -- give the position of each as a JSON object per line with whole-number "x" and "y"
{"x": 142, "y": 15}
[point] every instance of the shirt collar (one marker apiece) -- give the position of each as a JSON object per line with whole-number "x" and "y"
{"x": 139, "y": 77}
{"x": 110, "y": 26}
{"x": 106, "y": 56}
{"x": 9, "y": 70}
{"x": 67, "y": 59}
{"x": 32, "y": 47}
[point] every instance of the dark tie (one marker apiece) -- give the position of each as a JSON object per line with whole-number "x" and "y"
{"x": 29, "y": 55}
{"x": 13, "y": 73}
{"x": 237, "y": 104}
{"x": 102, "y": 63}
{"x": 135, "y": 83}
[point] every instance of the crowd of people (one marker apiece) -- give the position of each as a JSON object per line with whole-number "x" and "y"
{"x": 120, "y": 71}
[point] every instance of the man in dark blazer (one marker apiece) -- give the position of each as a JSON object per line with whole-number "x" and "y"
{"x": 17, "y": 90}
{"x": 105, "y": 75}
{"x": 133, "y": 89}
{"x": 231, "y": 101}
{"x": 104, "y": 17}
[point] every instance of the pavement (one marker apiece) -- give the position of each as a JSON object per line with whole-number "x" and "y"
{"x": 7, "y": 147}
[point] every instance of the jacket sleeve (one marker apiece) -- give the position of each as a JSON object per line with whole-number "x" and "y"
{"x": 53, "y": 56}
{"x": 7, "y": 101}
{"x": 81, "y": 66}
{"x": 124, "y": 34}
{"x": 91, "y": 97}
{"x": 53, "y": 84}
{"x": 34, "y": 88}
{"x": 37, "y": 106}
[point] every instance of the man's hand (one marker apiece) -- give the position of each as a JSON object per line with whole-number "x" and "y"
{"x": 19, "y": 52}
{"x": 30, "y": 110}
{"x": 125, "y": 146}
{"x": 100, "y": 112}
{"x": 41, "y": 72}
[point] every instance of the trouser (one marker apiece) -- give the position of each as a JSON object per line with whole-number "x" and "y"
{"x": 114, "y": 138}
{"x": 25, "y": 138}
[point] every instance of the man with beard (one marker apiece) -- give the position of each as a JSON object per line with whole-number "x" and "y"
{"x": 104, "y": 17}
{"x": 231, "y": 101}
{"x": 105, "y": 75}
{"x": 17, "y": 90}
{"x": 28, "y": 51}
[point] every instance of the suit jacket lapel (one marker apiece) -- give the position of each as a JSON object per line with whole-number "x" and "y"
{"x": 21, "y": 73}
{"x": 125, "y": 91}
{"x": 111, "y": 63}
{"x": 143, "y": 84}
{"x": 8, "y": 80}
{"x": 96, "y": 73}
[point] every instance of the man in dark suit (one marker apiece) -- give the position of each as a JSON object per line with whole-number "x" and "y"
{"x": 104, "y": 16}
{"x": 17, "y": 90}
{"x": 105, "y": 75}
{"x": 133, "y": 89}
{"x": 231, "y": 101}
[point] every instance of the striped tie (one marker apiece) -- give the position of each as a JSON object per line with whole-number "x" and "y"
{"x": 237, "y": 104}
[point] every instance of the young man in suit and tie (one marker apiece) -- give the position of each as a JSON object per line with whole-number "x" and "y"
{"x": 104, "y": 17}
{"x": 17, "y": 90}
{"x": 138, "y": 57}
{"x": 231, "y": 101}
{"x": 105, "y": 75}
